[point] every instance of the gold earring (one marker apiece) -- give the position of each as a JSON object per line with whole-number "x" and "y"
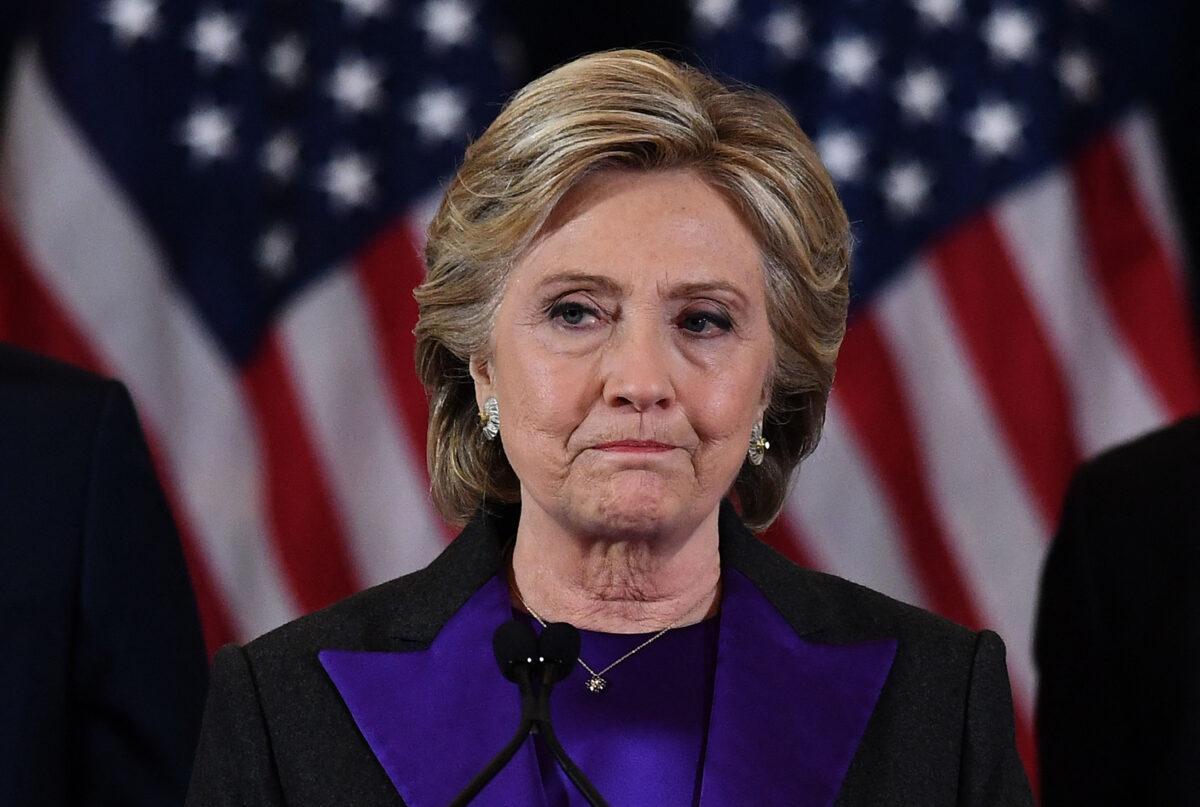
{"x": 489, "y": 418}
{"x": 758, "y": 446}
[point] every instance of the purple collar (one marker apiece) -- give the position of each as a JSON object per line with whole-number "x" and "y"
{"x": 788, "y": 714}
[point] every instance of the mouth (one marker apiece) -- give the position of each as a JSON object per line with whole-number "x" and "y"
{"x": 634, "y": 446}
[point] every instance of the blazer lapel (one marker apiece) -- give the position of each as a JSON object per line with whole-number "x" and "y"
{"x": 435, "y": 717}
{"x": 788, "y": 714}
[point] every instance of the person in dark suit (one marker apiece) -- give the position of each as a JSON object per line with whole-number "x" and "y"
{"x": 1118, "y": 631}
{"x": 104, "y": 670}
{"x": 637, "y": 284}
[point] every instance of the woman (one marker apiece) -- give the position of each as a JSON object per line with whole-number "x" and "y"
{"x": 637, "y": 288}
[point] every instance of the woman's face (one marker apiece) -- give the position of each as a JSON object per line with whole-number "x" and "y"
{"x": 630, "y": 356}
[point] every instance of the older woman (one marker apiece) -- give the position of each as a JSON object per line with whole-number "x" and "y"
{"x": 637, "y": 289}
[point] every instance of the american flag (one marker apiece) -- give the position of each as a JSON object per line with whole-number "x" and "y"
{"x": 221, "y": 203}
{"x": 1019, "y": 298}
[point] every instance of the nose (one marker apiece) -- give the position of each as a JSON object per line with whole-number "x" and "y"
{"x": 637, "y": 371}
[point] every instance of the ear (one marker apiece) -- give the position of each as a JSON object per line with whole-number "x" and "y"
{"x": 764, "y": 402}
{"x": 481, "y": 374}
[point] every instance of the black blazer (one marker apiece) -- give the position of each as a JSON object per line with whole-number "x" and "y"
{"x": 103, "y": 670}
{"x": 276, "y": 731}
{"x": 1118, "y": 634}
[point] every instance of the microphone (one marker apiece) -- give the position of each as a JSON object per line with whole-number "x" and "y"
{"x": 516, "y": 649}
{"x": 559, "y": 649}
{"x": 529, "y": 661}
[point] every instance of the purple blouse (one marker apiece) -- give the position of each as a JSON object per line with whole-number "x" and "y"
{"x": 641, "y": 740}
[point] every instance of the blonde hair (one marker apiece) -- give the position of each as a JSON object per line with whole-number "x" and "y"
{"x": 631, "y": 109}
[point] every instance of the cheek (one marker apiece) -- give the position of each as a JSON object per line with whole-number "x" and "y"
{"x": 543, "y": 400}
{"x": 724, "y": 411}
{"x": 726, "y": 406}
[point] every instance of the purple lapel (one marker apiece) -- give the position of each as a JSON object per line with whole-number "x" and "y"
{"x": 435, "y": 717}
{"x": 788, "y": 714}
{"x": 787, "y": 717}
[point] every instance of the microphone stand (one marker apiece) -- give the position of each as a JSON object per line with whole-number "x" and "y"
{"x": 560, "y": 754}
{"x": 528, "y": 724}
{"x": 558, "y": 650}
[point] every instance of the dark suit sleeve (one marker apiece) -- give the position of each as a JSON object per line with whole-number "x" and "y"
{"x": 234, "y": 764}
{"x": 991, "y": 772}
{"x": 1077, "y": 710}
{"x": 139, "y": 671}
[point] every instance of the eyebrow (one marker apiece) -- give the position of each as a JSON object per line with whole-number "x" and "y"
{"x": 697, "y": 288}
{"x": 675, "y": 292}
{"x": 607, "y": 284}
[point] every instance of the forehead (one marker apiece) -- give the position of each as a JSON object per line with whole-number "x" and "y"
{"x": 646, "y": 227}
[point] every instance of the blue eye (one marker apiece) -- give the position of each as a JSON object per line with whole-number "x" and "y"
{"x": 571, "y": 313}
{"x": 699, "y": 322}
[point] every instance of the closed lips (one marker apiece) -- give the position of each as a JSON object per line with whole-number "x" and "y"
{"x": 634, "y": 445}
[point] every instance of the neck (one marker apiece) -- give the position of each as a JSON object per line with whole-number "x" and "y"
{"x": 624, "y": 585}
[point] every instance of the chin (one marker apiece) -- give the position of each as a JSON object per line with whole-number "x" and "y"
{"x": 635, "y": 504}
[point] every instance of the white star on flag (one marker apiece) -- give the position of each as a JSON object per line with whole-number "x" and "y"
{"x": 281, "y": 155}
{"x": 784, "y": 31}
{"x": 1011, "y": 34}
{"x": 356, "y": 85}
{"x": 447, "y": 22}
{"x": 132, "y": 20}
{"x": 843, "y": 154}
{"x": 359, "y": 10}
{"x": 714, "y": 14}
{"x": 276, "y": 251}
{"x": 216, "y": 39}
{"x": 906, "y": 187}
{"x": 942, "y": 13}
{"x": 208, "y": 133}
{"x": 851, "y": 60}
{"x": 921, "y": 93}
{"x": 1077, "y": 73}
{"x": 995, "y": 127}
{"x": 439, "y": 113}
{"x": 285, "y": 60}
{"x": 349, "y": 181}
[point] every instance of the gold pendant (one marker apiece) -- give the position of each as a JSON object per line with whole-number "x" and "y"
{"x": 596, "y": 684}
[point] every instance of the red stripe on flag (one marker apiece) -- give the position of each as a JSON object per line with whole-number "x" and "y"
{"x": 1011, "y": 356}
{"x": 869, "y": 392}
{"x": 1027, "y": 748}
{"x": 389, "y": 269}
{"x": 307, "y": 533}
{"x": 31, "y": 318}
{"x": 785, "y": 537}
{"x": 1136, "y": 276}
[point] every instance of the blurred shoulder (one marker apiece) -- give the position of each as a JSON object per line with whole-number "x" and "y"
{"x": 1137, "y": 496}
{"x": 41, "y": 386}
{"x": 23, "y": 367}
{"x": 1148, "y": 460}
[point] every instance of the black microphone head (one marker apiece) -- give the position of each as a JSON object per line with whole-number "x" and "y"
{"x": 559, "y": 648}
{"x": 514, "y": 644}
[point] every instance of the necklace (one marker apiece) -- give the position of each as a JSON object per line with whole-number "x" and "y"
{"x": 596, "y": 683}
